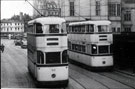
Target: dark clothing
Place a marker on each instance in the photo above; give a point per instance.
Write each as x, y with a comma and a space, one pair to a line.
2, 48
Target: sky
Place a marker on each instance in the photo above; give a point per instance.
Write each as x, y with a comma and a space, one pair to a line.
14, 7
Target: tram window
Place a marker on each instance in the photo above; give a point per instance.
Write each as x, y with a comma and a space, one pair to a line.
69, 29
45, 28
73, 47
40, 57
83, 28
102, 28
63, 28
69, 44
64, 56
39, 28
54, 28
90, 28
30, 27
83, 49
111, 48
94, 49
103, 49
52, 57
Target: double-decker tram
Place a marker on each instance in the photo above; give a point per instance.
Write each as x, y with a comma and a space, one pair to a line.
47, 51
90, 43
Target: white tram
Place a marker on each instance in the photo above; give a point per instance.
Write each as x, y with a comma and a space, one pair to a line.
90, 43
47, 51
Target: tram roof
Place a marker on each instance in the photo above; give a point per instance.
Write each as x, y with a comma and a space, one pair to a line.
103, 22
48, 20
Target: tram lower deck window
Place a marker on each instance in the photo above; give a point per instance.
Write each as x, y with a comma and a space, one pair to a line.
52, 57
64, 56
103, 49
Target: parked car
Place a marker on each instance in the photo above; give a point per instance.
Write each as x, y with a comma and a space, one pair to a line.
18, 39
24, 43
17, 42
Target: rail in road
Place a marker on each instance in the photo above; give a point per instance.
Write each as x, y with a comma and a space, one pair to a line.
14, 73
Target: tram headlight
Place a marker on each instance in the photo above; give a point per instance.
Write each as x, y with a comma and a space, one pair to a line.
94, 49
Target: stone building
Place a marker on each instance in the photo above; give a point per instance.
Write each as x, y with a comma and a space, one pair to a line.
128, 16
78, 10
46, 8
81, 10
10, 28
114, 14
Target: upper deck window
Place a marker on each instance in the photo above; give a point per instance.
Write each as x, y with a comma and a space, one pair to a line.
102, 28
63, 28
54, 28
39, 28
90, 28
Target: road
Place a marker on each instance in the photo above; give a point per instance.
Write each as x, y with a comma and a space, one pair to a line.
14, 73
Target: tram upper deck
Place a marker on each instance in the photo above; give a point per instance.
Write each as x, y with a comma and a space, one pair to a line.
47, 32
90, 31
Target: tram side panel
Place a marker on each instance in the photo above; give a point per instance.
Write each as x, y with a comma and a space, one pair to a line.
93, 61
91, 38
87, 58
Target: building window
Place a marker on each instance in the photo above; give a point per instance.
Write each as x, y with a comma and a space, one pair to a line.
127, 16
114, 9
72, 11
97, 8
7, 29
118, 10
129, 1
127, 28
113, 29
118, 29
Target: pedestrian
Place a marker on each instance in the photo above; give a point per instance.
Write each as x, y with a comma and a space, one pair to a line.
2, 48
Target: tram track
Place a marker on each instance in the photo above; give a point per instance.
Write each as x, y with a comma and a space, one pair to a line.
112, 75
105, 81
78, 82
91, 77
126, 73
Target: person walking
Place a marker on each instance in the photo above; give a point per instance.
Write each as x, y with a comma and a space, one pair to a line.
2, 48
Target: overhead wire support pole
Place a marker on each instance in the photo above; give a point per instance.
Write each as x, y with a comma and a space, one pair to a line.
34, 7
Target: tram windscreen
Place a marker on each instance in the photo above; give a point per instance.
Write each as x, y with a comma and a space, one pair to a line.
52, 57
54, 28
103, 49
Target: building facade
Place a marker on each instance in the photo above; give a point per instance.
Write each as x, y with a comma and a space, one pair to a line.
81, 10
10, 28
128, 16
114, 15
46, 8
78, 10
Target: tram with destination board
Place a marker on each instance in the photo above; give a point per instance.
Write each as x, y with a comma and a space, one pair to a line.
90, 43
47, 51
